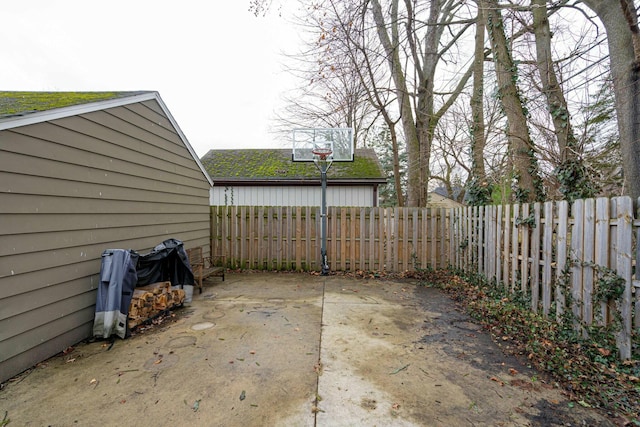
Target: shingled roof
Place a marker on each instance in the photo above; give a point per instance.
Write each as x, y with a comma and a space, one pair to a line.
275, 165
22, 103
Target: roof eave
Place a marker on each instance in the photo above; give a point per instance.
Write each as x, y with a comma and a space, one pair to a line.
73, 110
298, 181
183, 137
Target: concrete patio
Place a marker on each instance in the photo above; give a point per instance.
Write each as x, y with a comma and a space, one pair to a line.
285, 349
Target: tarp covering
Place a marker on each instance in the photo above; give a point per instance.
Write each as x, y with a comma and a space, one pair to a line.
167, 262
124, 270
118, 279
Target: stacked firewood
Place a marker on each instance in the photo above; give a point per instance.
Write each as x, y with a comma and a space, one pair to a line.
151, 300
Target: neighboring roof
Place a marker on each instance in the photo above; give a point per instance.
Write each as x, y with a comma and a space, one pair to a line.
21, 103
251, 166
436, 200
26, 108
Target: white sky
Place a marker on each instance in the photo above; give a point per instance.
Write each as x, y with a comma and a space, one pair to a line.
217, 67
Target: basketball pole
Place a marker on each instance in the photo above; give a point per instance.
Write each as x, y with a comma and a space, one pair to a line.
323, 165
323, 214
317, 145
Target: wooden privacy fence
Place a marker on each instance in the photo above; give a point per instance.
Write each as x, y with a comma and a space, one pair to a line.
369, 239
579, 257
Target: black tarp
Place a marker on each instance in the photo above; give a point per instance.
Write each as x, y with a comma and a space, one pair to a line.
167, 262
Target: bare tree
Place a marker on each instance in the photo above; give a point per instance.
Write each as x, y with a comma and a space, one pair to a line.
413, 50
525, 167
331, 93
571, 172
479, 189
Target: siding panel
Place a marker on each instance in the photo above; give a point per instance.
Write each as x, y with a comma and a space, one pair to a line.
291, 195
47, 204
28, 184
71, 188
26, 223
24, 302
55, 143
38, 316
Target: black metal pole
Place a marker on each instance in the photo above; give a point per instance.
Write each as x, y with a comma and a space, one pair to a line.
323, 215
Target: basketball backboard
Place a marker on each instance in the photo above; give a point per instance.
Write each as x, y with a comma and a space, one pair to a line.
338, 140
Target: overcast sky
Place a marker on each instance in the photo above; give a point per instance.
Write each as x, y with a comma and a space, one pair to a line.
217, 67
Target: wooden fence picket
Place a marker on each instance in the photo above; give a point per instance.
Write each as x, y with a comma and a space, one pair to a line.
577, 269
547, 258
588, 260
506, 251
535, 258
624, 221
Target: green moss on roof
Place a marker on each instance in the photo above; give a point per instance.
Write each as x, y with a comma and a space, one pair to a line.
20, 103
268, 164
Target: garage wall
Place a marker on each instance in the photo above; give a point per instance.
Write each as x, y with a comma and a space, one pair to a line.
293, 195
71, 188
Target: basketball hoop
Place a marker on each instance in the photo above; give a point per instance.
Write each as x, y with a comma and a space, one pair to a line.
321, 153
323, 146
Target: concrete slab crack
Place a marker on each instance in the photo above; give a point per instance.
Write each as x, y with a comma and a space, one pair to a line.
318, 366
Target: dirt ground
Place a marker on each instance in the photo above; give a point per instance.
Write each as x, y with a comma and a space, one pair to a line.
270, 349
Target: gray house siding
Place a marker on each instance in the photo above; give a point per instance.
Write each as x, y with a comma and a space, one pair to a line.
71, 187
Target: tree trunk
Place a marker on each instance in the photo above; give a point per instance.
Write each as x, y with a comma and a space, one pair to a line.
425, 120
390, 46
570, 171
528, 183
479, 192
624, 56
396, 162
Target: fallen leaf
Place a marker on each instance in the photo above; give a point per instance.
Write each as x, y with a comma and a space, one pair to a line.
93, 381
496, 379
583, 403
399, 369
395, 406
513, 371
157, 361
